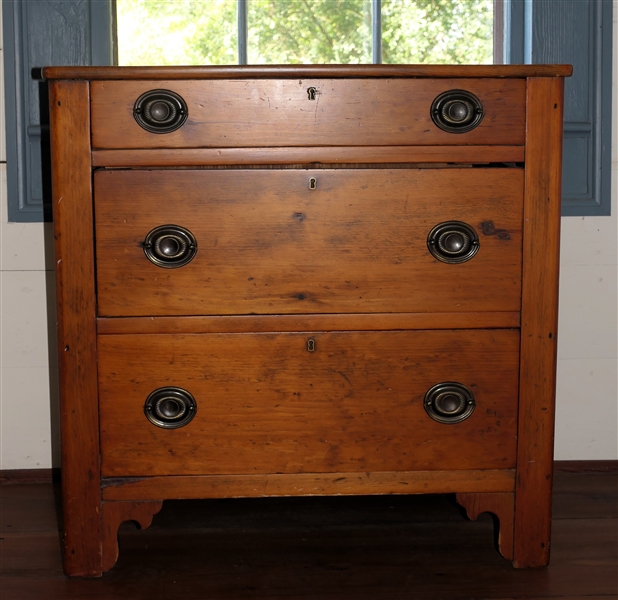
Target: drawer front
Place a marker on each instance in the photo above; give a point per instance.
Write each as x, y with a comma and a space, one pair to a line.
266, 404
345, 112
268, 244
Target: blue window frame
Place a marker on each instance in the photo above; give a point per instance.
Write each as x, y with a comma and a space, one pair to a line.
80, 32
35, 34
577, 32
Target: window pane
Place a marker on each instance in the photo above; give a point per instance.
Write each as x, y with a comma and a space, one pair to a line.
309, 31
437, 31
177, 32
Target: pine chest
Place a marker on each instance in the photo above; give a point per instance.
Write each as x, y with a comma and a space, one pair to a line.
280, 281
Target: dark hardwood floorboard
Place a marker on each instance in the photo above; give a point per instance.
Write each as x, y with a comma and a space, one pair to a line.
396, 547
585, 495
29, 507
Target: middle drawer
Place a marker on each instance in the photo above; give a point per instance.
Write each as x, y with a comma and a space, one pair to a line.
308, 241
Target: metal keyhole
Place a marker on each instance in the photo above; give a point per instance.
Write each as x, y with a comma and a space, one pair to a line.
313, 183
311, 345
311, 92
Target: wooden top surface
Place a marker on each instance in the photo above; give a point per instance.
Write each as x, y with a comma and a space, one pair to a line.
294, 71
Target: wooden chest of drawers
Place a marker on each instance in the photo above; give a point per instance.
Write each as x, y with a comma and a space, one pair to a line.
306, 280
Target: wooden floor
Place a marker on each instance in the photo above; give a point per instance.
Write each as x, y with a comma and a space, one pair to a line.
393, 547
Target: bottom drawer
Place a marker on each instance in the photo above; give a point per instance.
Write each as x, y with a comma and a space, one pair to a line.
307, 402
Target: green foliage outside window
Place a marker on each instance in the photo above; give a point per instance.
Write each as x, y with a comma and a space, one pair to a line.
178, 32
204, 32
437, 31
309, 31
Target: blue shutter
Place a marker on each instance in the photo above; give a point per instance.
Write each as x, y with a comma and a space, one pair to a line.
79, 32
36, 34
578, 32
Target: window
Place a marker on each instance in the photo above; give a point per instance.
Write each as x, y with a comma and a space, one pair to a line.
57, 32
222, 32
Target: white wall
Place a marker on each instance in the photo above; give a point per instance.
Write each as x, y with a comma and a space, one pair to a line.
587, 355
26, 369
587, 395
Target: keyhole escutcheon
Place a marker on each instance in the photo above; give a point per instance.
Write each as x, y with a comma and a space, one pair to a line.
313, 183
312, 93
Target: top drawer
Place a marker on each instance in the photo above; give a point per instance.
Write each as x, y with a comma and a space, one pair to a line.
307, 112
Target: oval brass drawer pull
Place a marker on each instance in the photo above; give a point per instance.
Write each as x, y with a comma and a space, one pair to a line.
160, 111
453, 242
449, 402
457, 111
170, 407
170, 246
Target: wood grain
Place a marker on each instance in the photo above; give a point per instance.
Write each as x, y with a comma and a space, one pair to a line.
584, 495
539, 322
337, 548
278, 112
115, 513
346, 264
17, 476
267, 405
269, 323
192, 157
77, 352
267, 244
587, 466
574, 467
502, 505
308, 484
333, 548
29, 507
296, 71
